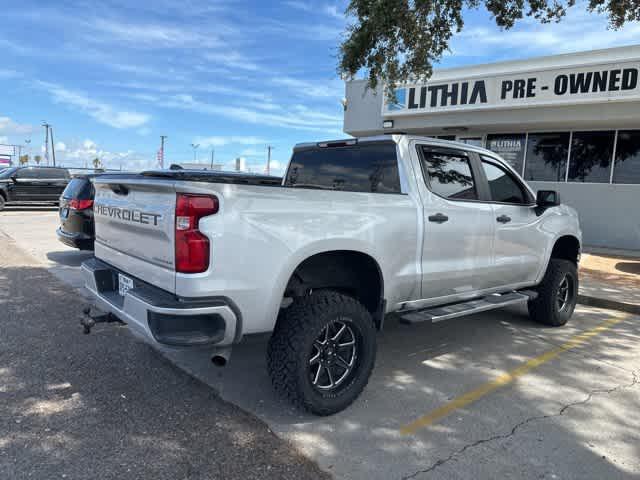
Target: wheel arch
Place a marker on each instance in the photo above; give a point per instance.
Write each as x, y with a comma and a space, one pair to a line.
352, 272
566, 247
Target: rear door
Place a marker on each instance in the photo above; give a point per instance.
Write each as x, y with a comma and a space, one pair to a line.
457, 248
55, 180
134, 227
519, 242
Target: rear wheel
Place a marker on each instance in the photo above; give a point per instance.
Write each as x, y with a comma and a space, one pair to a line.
322, 352
2, 203
557, 294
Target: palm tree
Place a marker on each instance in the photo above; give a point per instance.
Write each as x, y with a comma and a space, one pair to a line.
96, 163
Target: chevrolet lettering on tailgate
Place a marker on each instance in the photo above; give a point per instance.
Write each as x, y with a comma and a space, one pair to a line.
134, 216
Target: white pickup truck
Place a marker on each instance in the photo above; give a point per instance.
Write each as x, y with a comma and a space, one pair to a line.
357, 229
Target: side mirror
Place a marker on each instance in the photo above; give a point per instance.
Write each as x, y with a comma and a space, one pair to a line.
547, 198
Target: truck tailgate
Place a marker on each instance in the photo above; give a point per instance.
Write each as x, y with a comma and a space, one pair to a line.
134, 226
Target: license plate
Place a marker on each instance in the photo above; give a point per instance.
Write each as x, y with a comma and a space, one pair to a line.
64, 213
124, 284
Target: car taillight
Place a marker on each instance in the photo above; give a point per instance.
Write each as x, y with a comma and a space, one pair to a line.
192, 247
75, 204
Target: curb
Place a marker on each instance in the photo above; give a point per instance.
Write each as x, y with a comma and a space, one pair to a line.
609, 304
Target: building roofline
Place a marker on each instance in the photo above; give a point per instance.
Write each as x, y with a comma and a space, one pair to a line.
561, 60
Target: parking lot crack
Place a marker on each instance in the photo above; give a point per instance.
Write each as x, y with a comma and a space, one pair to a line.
589, 396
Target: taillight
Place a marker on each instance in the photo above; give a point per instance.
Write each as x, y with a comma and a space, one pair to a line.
75, 204
192, 247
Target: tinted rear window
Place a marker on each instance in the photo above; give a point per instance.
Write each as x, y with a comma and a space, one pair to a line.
357, 168
80, 188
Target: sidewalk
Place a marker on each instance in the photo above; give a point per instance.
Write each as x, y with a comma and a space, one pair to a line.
610, 281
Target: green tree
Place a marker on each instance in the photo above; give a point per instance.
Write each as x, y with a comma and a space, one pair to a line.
37, 159
96, 163
397, 40
24, 159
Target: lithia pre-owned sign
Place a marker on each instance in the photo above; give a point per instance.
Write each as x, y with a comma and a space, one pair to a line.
595, 83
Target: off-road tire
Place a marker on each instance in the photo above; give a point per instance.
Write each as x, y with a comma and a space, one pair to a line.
545, 308
292, 342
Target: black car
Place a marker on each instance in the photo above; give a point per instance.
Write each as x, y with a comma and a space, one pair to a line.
76, 213
32, 184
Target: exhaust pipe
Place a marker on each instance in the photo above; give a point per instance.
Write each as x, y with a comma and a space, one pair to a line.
221, 356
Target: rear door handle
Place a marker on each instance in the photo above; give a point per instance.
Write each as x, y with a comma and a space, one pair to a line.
438, 218
503, 219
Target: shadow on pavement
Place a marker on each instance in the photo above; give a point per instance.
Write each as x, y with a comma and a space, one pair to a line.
104, 406
30, 208
629, 267
70, 258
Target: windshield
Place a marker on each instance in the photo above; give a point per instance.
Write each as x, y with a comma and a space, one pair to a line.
6, 173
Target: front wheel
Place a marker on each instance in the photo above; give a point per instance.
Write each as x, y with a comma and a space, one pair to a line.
322, 352
557, 294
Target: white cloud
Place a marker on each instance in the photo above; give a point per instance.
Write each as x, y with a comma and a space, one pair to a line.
221, 141
60, 147
298, 117
9, 127
316, 89
101, 112
579, 31
231, 59
4, 139
331, 10
81, 154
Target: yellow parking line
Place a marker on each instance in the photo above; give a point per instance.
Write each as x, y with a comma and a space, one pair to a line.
506, 378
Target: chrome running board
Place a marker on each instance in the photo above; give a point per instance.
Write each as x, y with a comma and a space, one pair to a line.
453, 310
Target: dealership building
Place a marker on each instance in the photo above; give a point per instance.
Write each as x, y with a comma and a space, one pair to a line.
569, 123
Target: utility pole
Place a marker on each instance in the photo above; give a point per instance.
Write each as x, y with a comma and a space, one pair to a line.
162, 138
269, 148
53, 149
28, 148
212, 153
195, 148
46, 141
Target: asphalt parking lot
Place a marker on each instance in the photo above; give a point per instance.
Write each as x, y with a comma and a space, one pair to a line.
487, 396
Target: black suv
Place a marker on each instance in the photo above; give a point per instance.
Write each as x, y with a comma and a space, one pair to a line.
32, 184
76, 213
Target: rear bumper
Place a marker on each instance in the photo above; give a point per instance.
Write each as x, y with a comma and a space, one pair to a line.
75, 240
160, 317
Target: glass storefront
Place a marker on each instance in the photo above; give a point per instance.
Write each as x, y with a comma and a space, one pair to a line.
543, 156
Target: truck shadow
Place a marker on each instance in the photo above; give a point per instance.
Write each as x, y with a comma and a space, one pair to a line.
70, 258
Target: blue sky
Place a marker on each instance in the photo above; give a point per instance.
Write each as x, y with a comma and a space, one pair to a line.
234, 76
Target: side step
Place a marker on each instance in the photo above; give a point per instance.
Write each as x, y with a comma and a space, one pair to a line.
453, 310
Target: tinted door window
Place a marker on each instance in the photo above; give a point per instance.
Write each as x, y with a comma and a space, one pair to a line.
591, 155
357, 168
547, 157
55, 173
502, 186
449, 174
28, 174
627, 167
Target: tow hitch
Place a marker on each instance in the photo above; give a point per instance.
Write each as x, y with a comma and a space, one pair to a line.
91, 316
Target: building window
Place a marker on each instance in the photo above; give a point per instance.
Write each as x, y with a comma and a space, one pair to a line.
547, 157
591, 155
449, 174
627, 167
510, 147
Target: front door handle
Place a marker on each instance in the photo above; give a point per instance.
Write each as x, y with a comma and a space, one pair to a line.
503, 219
438, 218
